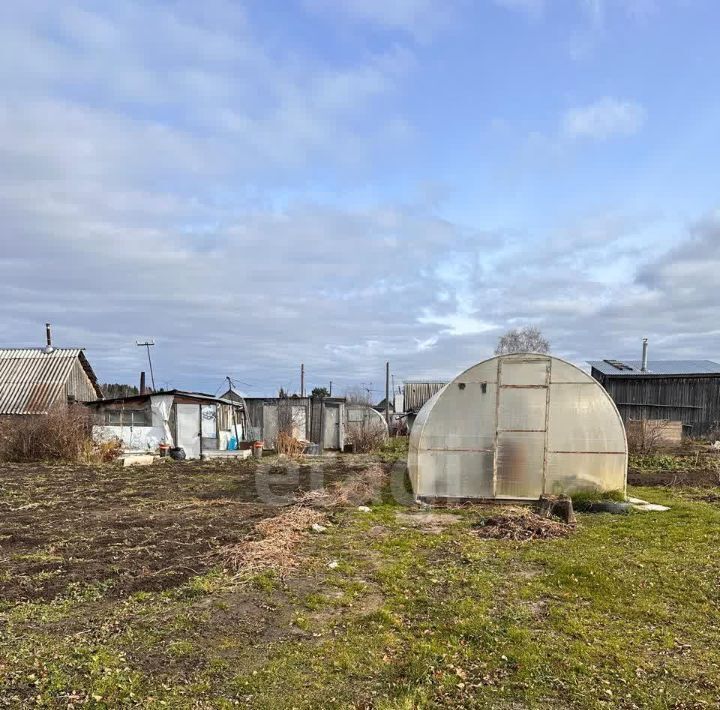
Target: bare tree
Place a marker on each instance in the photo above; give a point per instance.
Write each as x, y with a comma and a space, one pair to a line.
522, 340
647, 436
358, 395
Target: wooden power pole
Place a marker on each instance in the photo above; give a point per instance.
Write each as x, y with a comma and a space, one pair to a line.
387, 393
302, 380
147, 344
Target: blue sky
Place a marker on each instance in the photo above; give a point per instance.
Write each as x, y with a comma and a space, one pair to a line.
258, 184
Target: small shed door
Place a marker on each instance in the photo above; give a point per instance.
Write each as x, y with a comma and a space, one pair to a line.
270, 425
209, 426
521, 427
188, 429
332, 426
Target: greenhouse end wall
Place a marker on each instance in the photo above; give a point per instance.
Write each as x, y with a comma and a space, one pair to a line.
515, 427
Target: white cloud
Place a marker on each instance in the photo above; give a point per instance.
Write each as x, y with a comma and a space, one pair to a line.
604, 118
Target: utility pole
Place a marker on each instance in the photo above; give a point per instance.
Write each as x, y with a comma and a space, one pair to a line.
237, 438
367, 386
302, 380
147, 345
387, 393
330, 394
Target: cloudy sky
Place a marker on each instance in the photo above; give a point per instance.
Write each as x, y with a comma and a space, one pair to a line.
341, 182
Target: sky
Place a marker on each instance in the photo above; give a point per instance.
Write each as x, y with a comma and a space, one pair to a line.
342, 183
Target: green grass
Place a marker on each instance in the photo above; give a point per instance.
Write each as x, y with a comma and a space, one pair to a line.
394, 449
624, 613
583, 498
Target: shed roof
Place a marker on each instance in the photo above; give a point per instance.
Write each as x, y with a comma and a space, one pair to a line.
633, 368
200, 396
32, 379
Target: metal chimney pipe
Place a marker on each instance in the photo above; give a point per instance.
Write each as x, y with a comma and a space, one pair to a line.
48, 335
645, 355
142, 382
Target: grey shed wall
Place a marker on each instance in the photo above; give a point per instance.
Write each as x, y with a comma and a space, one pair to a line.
315, 407
692, 399
79, 386
417, 393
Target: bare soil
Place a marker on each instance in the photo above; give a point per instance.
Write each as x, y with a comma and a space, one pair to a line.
688, 478
137, 529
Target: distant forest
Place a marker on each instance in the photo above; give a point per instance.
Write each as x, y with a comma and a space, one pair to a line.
110, 391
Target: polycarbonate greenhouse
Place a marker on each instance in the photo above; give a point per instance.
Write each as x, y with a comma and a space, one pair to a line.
515, 427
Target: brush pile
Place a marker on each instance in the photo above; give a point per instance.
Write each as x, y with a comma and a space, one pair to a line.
288, 445
277, 544
522, 525
365, 487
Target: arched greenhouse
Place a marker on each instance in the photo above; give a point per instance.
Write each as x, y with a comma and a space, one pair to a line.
515, 427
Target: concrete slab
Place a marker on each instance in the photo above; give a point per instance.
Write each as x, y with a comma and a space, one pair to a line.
227, 455
643, 505
138, 460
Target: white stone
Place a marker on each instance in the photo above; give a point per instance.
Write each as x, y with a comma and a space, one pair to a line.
363, 509
643, 505
142, 460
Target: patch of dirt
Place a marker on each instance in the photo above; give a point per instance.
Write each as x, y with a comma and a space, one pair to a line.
433, 523
378, 532
135, 529
692, 478
522, 525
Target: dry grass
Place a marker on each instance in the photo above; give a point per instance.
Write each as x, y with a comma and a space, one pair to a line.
365, 436
522, 524
361, 489
288, 445
277, 548
647, 436
63, 434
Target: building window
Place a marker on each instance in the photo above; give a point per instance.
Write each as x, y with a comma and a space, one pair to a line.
127, 417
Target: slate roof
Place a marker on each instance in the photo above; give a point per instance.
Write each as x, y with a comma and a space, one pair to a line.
32, 380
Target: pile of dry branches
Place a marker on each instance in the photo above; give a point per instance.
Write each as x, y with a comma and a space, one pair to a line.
289, 446
363, 488
276, 549
521, 524
365, 436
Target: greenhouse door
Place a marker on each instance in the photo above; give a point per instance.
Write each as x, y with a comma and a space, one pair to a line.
521, 427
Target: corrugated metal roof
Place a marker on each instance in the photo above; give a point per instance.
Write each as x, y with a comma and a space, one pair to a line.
32, 380
656, 367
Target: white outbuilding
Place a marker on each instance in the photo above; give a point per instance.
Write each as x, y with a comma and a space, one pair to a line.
515, 427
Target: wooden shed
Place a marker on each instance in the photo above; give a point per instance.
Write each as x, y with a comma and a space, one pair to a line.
672, 390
